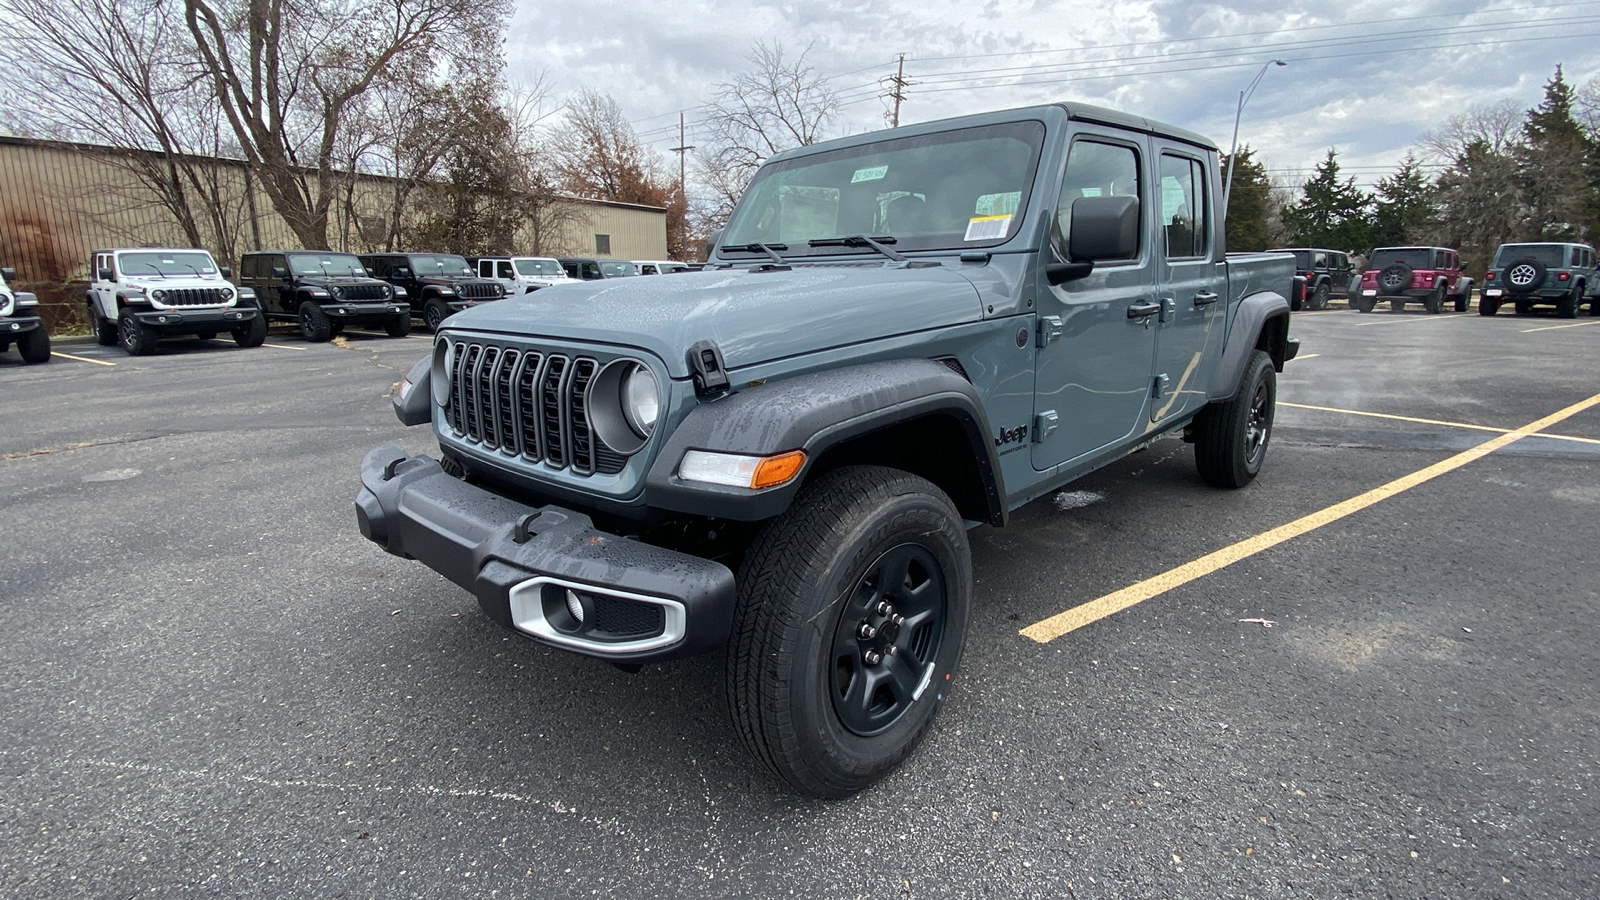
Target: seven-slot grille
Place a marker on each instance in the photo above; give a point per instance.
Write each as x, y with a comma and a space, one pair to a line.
528, 403
192, 296
363, 292
479, 290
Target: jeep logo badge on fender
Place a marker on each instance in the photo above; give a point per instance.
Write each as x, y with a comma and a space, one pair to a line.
1011, 435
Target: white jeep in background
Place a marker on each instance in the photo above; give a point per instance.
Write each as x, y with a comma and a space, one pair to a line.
138, 296
20, 323
522, 274
660, 266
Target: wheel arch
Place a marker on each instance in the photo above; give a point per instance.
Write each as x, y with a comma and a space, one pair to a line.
917, 415
1260, 323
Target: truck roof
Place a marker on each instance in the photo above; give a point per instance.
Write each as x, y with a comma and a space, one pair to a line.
1080, 112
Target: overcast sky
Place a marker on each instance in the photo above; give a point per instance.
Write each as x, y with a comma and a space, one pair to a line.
1368, 77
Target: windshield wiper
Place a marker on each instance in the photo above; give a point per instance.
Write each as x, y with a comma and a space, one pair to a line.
769, 249
861, 240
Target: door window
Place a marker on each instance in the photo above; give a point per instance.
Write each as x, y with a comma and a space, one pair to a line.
1095, 169
503, 267
1183, 220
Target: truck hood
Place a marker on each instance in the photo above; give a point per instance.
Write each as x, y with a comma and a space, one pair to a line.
753, 316
175, 282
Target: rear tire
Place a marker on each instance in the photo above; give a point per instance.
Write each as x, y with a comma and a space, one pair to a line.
1231, 437
1434, 302
34, 346
1397, 304
1524, 306
1487, 306
105, 330
1363, 304
314, 324
813, 689
1567, 307
1319, 297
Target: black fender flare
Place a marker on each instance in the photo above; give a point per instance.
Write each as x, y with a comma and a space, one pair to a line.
815, 413
1253, 316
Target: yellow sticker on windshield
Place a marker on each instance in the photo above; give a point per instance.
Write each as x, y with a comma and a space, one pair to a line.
987, 228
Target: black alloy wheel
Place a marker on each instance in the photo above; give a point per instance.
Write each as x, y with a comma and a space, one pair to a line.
1394, 278
1319, 297
1231, 437
314, 323
434, 312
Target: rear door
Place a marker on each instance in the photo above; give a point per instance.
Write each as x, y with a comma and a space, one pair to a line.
1189, 336
1092, 382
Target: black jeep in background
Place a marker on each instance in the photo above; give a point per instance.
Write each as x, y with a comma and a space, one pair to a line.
1328, 274
437, 284
323, 291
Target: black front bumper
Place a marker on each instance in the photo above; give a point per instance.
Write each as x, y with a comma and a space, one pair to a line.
530, 566
12, 326
365, 314
189, 321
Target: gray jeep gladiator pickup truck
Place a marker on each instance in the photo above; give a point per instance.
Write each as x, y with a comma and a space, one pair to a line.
900, 336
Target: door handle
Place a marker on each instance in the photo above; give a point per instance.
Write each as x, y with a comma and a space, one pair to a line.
1140, 310
1205, 298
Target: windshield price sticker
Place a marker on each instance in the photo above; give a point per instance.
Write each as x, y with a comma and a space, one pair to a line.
875, 173
987, 228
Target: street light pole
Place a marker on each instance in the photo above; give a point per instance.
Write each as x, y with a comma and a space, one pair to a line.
1244, 97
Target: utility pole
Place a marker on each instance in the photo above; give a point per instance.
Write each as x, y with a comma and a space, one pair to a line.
682, 150
897, 90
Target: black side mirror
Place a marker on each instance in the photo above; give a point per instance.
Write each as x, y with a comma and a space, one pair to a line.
104, 274
280, 272
711, 243
9, 274
227, 272
1104, 228
400, 272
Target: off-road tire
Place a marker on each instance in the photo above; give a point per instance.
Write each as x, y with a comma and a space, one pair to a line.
434, 312
1487, 306
1231, 437
800, 689
134, 336
1463, 301
1363, 304
399, 326
1434, 302
34, 345
252, 333
1394, 278
1319, 297
1594, 305
105, 330
1524, 306
314, 324
1397, 304
1567, 307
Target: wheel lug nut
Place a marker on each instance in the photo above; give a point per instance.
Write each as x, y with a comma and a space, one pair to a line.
872, 657
866, 631
898, 620
883, 608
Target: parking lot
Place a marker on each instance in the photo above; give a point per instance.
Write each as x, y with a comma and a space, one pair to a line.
214, 686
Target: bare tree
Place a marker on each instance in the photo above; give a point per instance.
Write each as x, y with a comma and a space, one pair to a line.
289, 74
117, 74
1496, 127
598, 154
778, 104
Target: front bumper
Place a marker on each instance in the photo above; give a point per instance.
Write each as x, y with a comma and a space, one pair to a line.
375, 313
534, 568
11, 326
189, 321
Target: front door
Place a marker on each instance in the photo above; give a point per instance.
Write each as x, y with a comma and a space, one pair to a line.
1189, 339
1098, 336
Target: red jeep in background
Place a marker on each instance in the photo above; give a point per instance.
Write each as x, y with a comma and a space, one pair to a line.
1401, 274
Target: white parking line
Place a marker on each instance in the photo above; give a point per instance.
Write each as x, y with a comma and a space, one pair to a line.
1424, 318
285, 347
98, 362
1554, 327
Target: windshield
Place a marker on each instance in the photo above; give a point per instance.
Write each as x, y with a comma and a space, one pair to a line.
953, 190
1547, 254
538, 267
325, 264
1416, 258
424, 264
616, 269
187, 262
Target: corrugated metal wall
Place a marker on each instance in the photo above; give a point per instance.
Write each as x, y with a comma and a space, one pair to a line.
59, 202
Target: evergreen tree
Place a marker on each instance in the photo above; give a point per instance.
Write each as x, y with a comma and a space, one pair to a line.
1405, 207
1247, 203
1556, 159
1480, 203
1331, 213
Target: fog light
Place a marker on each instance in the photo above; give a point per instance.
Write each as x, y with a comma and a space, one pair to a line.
575, 607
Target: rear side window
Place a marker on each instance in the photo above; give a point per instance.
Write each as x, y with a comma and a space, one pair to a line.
1095, 169
1183, 210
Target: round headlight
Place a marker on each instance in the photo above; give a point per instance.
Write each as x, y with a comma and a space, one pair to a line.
158, 295
641, 400
227, 293
336, 291
444, 369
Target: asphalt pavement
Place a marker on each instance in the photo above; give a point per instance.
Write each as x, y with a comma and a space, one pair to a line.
214, 686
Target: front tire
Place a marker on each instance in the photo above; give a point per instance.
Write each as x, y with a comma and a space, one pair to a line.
314, 324
253, 333
399, 326
434, 312
852, 612
1231, 437
136, 339
34, 346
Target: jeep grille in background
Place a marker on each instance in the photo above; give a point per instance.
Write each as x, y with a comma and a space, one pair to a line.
192, 296
530, 404
479, 290
363, 292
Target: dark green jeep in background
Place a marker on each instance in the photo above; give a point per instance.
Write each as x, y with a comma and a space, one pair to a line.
898, 337
1554, 274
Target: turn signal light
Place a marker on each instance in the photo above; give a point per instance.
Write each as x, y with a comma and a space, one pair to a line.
738, 470
775, 470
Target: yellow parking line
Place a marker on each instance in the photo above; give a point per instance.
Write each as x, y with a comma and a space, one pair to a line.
1062, 623
285, 347
98, 362
1306, 356
1554, 327
1468, 425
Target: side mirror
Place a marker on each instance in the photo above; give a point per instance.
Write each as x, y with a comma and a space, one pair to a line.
401, 272
711, 242
104, 274
227, 272
280, 272
1104, 228
9, 274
